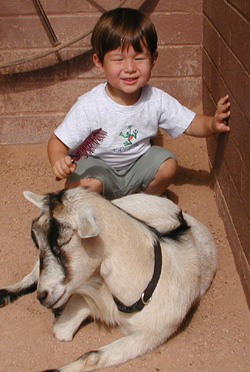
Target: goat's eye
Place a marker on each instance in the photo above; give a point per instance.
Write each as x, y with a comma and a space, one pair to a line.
59, 235
65, 236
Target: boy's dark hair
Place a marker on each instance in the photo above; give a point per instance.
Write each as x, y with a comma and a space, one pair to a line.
123, 27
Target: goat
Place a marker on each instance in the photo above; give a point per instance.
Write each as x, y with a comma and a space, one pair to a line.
137, 262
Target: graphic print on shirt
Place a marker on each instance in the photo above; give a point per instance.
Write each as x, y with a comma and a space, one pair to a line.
129, 135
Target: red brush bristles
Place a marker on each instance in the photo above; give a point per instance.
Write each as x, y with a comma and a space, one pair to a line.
89, 144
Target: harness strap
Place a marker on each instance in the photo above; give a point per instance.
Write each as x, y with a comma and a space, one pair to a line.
147, 294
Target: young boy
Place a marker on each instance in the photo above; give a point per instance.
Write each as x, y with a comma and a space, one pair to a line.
130, 111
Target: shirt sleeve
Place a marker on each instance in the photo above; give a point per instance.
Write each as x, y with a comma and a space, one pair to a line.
175, 118
74, 128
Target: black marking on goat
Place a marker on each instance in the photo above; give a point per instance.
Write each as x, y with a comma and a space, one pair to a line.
51, 233
53, 199
178, 232
9, 297
53, 236
57, 312
41, 262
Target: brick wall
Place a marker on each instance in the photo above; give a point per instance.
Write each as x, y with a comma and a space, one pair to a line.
226, 64
35, 96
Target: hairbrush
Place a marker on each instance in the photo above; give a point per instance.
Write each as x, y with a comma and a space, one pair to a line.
89, 144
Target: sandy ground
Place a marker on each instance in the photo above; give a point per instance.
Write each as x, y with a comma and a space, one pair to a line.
216, 336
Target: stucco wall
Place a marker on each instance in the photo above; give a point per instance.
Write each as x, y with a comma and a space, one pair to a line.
226, 64
35, 96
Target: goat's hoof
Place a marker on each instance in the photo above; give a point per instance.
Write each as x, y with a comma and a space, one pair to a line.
62, 335
4, 297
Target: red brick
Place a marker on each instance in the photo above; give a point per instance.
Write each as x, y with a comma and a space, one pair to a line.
23, 32
240, 38
185, 90
8, 56
247, 9
240, 131
18, 7
217, 85
28, 129
170, 5
245, 194
233, 72
225, 66
207, 8
178, 61
178, 28
211, 40
247, 97
78, 6
206, 70
220, 15
67, 28
42, 98
240, 4
239, 218
224, 179
211, 149
208, 102
234, 162
241, 262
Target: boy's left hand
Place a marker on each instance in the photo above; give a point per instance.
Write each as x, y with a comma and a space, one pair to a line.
219, 122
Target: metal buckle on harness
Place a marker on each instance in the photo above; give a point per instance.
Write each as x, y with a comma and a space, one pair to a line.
145, 302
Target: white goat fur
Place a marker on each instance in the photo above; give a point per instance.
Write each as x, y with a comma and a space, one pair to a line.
111, 254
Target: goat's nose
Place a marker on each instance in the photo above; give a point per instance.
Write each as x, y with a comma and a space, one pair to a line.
41, 296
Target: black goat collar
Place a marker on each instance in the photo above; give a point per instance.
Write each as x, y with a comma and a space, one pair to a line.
147, 294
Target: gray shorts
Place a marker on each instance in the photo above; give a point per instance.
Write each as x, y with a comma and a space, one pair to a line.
116, 183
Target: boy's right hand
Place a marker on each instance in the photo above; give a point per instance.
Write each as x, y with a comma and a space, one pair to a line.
63, 167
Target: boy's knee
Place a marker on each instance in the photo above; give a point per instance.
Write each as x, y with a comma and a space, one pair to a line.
163, 177
168, 168
91, 183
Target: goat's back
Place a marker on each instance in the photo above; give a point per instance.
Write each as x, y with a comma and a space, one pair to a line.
163, 215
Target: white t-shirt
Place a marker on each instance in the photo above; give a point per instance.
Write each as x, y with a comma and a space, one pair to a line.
129, 128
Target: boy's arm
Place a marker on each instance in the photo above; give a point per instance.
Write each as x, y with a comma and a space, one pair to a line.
205, 126
59, 159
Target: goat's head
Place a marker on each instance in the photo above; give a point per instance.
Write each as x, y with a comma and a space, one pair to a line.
64, 235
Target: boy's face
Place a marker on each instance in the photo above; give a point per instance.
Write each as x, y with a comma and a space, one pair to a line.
127, 72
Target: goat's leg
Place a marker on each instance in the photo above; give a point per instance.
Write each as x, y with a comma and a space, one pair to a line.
74, 313
120, 351
27, 285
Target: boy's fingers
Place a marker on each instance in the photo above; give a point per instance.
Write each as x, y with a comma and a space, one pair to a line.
63, 168
223, 101
225, 115
72, 167
68, 160
223, 108
61, 171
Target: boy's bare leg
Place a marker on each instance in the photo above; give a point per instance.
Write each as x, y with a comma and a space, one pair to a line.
163, 177
90, 183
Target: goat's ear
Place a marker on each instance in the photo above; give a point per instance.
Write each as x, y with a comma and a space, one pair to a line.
35, 199
87, 226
